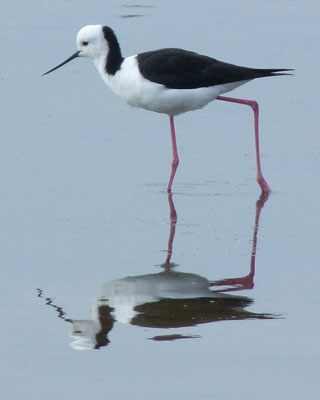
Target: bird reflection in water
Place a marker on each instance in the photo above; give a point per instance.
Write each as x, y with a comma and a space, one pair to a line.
168, 299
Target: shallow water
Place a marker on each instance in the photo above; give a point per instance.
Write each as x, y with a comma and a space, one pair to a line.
110, 288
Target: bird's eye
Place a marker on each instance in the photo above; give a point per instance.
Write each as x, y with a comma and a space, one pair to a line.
84, 43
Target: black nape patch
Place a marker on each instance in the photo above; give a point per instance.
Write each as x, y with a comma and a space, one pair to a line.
114, 57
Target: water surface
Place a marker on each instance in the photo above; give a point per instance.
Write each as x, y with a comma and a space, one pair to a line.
112, 289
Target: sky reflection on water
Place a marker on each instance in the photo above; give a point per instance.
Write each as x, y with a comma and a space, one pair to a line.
74, 218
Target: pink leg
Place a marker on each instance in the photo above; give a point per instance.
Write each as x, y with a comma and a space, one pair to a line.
175, 158
245, 282
254, 105
173, 223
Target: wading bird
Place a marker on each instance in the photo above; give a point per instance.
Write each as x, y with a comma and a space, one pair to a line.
169, 81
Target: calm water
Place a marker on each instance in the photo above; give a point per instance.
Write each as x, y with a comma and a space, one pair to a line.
112, 289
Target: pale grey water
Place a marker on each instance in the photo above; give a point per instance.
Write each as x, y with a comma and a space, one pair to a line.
83, 204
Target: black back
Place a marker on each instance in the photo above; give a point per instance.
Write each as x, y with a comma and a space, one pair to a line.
181, 69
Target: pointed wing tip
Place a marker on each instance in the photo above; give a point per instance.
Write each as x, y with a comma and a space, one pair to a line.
283, 71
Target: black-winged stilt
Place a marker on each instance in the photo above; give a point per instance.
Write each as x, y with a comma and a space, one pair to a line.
170, 81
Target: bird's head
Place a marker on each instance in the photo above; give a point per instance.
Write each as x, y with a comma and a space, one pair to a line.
91, 43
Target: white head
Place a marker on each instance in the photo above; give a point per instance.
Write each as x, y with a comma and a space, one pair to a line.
91, 43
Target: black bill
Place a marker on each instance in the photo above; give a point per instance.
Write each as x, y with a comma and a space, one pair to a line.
75, 55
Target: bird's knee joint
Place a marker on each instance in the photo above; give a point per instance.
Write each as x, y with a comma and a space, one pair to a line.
175, 163
254, 105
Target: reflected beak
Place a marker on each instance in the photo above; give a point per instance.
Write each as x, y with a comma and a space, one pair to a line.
75, 55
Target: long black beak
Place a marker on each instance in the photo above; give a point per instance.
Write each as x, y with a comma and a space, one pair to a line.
75, 55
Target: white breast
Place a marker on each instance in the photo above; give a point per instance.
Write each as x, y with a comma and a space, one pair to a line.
134, 89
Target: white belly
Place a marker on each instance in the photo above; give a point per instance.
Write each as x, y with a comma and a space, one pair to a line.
137, 91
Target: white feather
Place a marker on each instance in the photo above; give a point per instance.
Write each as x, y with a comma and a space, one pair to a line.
134, 89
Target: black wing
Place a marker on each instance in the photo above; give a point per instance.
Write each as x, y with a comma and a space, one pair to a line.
181, 69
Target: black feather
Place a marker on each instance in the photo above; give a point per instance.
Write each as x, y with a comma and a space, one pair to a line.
114, 58
181, 69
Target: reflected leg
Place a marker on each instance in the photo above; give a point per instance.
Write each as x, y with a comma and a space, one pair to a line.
245, 282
